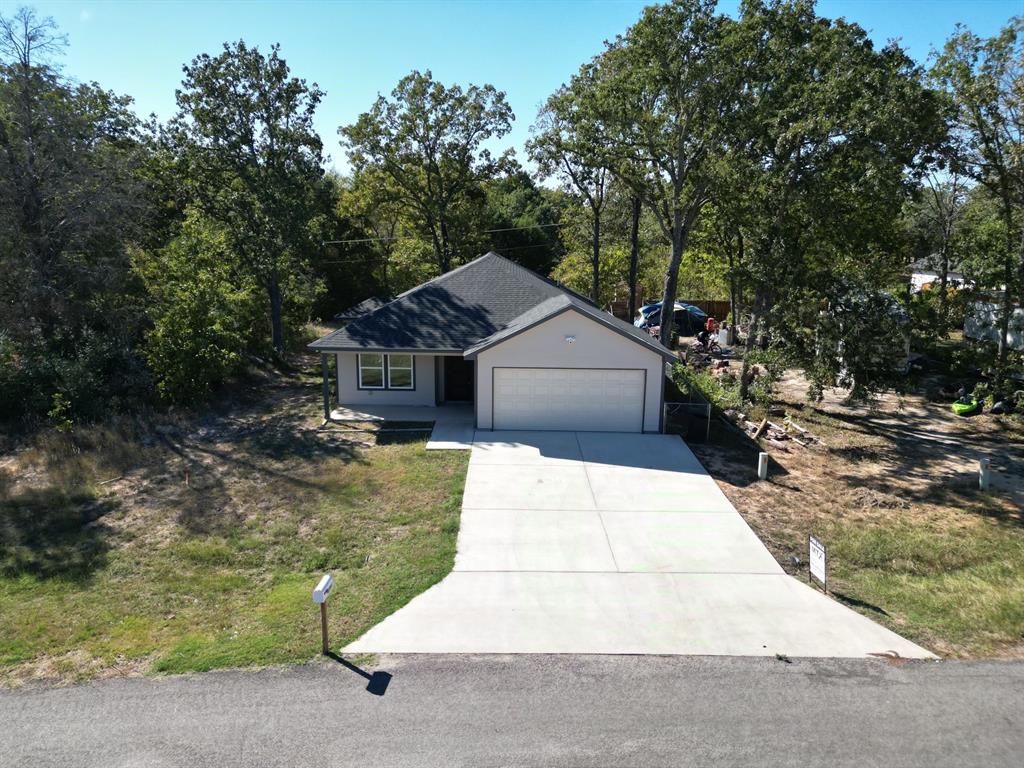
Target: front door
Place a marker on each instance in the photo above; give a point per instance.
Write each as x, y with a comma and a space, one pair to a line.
458, 380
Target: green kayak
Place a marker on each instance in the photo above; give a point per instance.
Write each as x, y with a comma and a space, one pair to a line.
966, 409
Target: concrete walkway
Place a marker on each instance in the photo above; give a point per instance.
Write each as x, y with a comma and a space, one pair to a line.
614, 543
453, 422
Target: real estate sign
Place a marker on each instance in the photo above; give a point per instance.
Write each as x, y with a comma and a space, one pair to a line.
817, 560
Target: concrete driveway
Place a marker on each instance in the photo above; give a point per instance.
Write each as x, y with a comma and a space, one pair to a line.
614, 543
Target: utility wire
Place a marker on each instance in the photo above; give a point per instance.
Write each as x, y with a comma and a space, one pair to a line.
413, 237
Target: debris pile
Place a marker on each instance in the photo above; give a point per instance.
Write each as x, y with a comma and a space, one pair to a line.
786, 432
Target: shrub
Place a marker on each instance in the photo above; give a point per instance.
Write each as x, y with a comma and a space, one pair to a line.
200, 313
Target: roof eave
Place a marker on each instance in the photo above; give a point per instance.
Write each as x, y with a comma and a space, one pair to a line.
397, 350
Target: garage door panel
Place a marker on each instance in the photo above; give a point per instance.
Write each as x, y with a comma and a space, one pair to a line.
582, 399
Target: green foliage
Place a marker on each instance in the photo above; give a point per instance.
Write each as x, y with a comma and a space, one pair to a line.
60, 414
575, 271
721, 392
983, 80
861, 339
201, 320
771, 364
251, 160
428, 141
69, 200
660, 97
931, 317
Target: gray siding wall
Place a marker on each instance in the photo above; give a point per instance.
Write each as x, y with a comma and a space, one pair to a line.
350, 394
544, 346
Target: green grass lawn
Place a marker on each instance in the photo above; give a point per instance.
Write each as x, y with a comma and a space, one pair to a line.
205, 551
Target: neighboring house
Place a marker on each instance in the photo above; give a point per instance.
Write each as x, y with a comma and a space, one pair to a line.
527, 352
926, 272
982, 321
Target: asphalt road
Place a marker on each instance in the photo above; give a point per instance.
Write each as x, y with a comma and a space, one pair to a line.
534, 711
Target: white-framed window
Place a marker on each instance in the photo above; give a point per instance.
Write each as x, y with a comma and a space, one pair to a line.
400, 372
371, 370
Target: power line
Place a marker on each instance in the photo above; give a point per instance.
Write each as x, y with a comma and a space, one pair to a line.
531, 226
413, 237
364, 240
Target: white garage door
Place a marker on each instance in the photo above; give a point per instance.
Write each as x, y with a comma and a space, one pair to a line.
579, 399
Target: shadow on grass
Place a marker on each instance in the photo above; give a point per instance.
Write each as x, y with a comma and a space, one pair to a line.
402, 438
378, 681
732, 457
51, 534
853, 602
925, 464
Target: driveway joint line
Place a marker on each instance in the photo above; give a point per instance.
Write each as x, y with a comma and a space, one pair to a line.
586, 474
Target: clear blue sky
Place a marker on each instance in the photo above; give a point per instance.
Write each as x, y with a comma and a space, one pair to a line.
356, 50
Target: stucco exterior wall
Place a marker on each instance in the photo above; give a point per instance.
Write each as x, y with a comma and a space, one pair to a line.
544, 346
350, 394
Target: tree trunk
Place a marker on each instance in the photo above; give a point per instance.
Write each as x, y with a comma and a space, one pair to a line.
668, 299
595, 260
634, 256
735, 259
276, 323
446, 255
943, 282
748, 347
682, 221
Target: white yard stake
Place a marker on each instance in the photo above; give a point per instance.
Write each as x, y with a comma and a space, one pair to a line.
762, 466
983, 475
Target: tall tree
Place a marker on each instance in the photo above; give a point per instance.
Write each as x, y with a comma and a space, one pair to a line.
567, 145
428, 138
70, 202
984, 79
944, 195
662, 94
252, 161
827, 128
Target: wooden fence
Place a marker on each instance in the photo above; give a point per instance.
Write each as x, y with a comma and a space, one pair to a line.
717, 309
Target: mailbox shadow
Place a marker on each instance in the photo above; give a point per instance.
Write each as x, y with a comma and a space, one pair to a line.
377, 681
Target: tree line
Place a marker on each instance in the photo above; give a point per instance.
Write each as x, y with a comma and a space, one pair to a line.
778, 158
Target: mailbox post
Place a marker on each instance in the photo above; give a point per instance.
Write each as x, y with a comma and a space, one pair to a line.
320, 598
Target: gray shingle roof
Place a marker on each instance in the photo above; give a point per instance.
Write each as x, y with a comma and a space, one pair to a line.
364, 307
469, 308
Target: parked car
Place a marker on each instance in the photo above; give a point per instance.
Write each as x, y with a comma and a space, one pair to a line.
687, 318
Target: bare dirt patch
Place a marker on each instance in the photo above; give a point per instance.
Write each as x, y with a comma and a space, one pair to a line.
892, 489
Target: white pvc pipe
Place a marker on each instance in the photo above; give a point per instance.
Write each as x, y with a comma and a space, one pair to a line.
762, 466
983, 474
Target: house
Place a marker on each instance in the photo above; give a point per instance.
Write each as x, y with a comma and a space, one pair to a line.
925, 273
526, 352
982, 321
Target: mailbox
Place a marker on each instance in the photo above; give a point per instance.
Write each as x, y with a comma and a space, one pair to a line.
323, 589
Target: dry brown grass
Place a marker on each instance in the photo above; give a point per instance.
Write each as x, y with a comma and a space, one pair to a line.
893, 492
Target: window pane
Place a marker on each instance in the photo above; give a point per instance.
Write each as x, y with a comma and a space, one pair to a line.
400, 361
400, 378
371, 360
371, 377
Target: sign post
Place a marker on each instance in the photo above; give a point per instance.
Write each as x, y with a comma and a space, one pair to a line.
817, 562
320, 598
